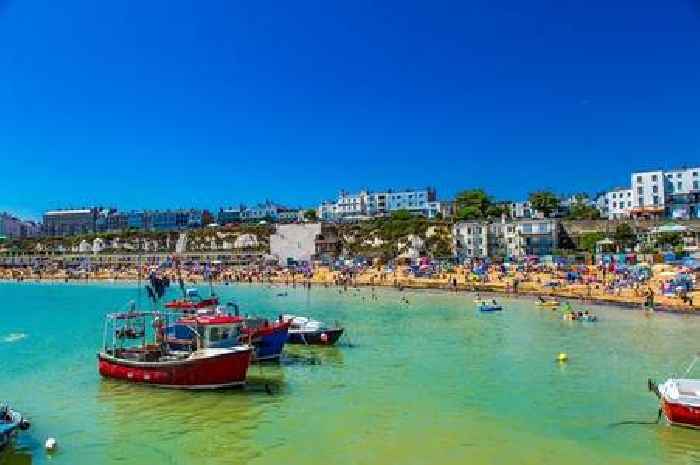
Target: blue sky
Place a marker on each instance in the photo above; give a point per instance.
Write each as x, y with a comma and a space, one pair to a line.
171, 104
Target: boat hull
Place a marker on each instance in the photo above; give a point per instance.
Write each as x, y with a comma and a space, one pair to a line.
326, 337
212, 372
491, 308
9, 426
269, 344
680, 414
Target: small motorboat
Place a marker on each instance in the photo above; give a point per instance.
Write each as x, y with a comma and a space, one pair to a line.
492, 307
547, 303
11, 421
303, 330
680, 399
137, 360
577, 317
192, 301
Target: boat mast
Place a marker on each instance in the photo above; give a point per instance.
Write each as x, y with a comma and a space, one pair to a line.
138, 273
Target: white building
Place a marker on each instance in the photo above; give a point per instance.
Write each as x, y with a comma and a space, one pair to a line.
520, 210
476, 239
648, 193
294, 242
682, 193
98, 245
615, 204
674, 193
366, 204
84, 247
246, 241
470, 239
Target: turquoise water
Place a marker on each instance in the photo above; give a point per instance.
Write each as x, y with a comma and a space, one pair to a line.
431, 381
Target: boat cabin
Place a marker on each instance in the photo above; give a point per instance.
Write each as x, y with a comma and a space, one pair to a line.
211, 332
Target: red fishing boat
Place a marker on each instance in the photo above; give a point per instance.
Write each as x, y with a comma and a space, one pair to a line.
192, 301
155, 363
680, 399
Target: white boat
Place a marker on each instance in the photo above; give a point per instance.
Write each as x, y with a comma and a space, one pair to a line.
680, 399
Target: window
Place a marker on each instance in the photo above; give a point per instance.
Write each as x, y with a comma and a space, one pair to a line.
614, 204
639, 179
695, 174
695, 185
680, 185
641, 201
614, 195
656, 200
629, 204
640, 190
654, 178
678, 175
655, 189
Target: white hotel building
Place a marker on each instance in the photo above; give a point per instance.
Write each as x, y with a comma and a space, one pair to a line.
671, 193
365, 204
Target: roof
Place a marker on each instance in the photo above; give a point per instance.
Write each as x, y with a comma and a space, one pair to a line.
207, 320
68, 212
670, 228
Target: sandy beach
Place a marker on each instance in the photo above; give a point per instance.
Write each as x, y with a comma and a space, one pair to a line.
599, 288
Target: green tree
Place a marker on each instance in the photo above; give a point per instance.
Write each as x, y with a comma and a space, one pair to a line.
624, 235
544, 201
497, 210
580, 211
401, 215
310, 215
588, 241
669, 239
472, 204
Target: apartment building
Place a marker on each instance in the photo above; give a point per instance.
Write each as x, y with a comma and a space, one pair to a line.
505, 239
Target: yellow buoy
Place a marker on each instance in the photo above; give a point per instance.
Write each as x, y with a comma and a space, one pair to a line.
562, 357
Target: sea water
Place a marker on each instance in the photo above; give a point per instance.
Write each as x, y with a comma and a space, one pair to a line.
430, 381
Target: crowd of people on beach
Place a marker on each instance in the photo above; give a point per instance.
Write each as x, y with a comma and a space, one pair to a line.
667, 285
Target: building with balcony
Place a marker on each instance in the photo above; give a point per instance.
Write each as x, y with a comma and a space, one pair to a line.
364, 205
505, 239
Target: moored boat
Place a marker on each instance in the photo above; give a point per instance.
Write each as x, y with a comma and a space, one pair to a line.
192, 301
553, 303
484, 307
203, 366
267, 338
679, 399
303, 330
11, 421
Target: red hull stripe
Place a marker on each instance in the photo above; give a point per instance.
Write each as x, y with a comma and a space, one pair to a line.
681, 414
205, 373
